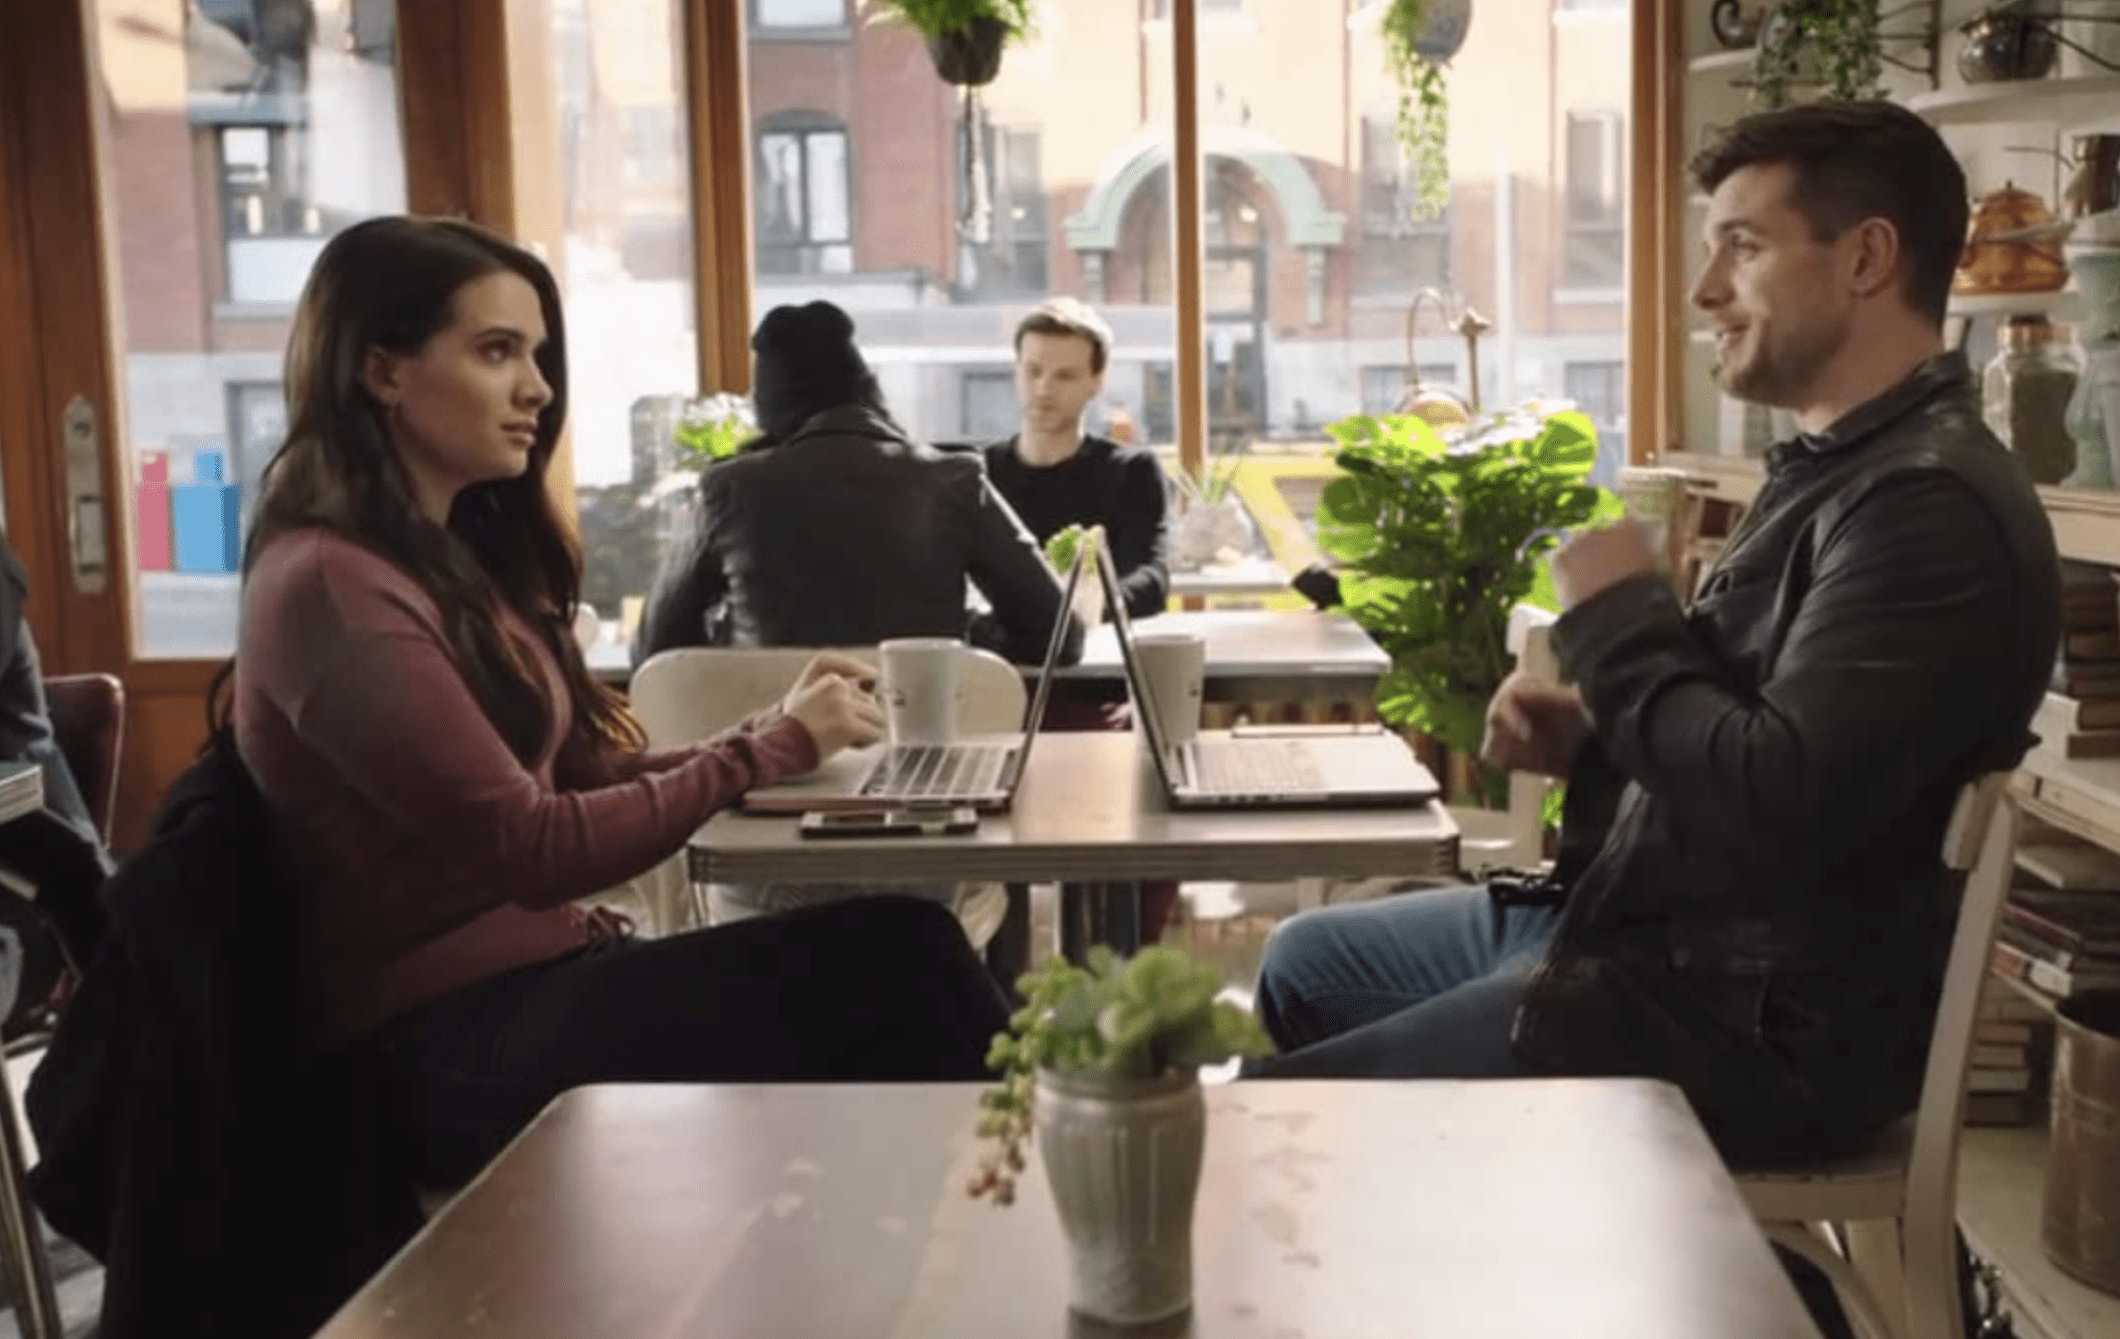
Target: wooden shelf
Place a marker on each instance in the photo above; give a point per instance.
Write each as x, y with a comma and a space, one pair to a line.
2001, 1189
2063, 103
1721, 62
2060, 304
2086, 523
2086, 520
1730, 478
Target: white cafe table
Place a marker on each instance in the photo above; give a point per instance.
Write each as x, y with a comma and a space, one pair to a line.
1090, 811
1252, 654
1254, 575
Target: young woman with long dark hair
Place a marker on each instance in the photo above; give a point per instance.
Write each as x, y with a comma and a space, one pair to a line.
447, 777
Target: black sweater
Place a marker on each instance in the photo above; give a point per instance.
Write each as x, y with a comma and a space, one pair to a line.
1119, 488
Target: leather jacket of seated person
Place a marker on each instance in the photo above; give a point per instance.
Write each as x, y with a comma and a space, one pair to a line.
846, 533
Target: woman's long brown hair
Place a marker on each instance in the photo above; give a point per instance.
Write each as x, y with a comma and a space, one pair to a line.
391, 283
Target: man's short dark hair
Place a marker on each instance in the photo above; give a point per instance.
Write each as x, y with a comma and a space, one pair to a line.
1859, 160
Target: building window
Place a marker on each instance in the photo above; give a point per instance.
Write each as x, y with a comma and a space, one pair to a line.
799, 13
805, 223
1159, 401
1014, 262
986, 401
1593, 249
1383, 386
258, 195
1397, 253
1599, 389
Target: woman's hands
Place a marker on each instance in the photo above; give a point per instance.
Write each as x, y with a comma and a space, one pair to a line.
834, 701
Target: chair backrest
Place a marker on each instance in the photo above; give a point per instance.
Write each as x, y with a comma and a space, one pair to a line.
1521, 839
1981, 839
687, 694
88, 723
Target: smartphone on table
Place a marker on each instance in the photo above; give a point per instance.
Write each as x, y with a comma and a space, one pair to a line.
890, 822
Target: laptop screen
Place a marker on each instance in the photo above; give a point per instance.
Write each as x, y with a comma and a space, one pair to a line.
1034, 709
1123, 633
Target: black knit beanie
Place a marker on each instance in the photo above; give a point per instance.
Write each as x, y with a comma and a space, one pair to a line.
806, 363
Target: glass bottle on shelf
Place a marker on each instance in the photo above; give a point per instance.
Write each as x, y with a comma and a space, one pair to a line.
2024, 395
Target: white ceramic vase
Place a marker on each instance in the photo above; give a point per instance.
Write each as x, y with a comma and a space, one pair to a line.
1207, 532
1122, 1158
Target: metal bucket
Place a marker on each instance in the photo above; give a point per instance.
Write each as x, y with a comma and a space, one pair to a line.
2082, 1219
1122, 1158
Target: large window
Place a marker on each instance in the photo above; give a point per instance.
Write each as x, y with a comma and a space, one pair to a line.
1013, 262
864, 194
1594, 250
771, 14
625, 263
1599, 389
802, 194
243, 137
1400, 253
1383, 387
863, 190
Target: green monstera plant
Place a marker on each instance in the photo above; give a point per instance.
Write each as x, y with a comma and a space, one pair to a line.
1439, 538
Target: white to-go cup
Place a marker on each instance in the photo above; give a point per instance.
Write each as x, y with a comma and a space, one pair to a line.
1173, 673
1652, 496
919, 687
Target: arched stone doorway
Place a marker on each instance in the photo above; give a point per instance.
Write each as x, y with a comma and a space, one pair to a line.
1258, 202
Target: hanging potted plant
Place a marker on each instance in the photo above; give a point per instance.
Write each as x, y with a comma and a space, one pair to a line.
965, 38
1420, 37
1103, 1064
1841, 39
1438, 539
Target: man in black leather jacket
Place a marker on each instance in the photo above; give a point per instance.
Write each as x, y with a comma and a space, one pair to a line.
835, 529
1755, 905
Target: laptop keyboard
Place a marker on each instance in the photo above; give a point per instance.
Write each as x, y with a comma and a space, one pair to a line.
1254, 767
937, 771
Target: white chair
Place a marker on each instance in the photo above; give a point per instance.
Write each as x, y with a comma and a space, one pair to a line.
1514, 838
689, 694
1896, 1268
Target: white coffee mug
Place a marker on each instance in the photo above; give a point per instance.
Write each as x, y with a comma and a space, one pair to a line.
1173, 672
920, 689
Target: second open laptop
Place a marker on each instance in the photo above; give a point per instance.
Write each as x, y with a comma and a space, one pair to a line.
981, 771
1220, 770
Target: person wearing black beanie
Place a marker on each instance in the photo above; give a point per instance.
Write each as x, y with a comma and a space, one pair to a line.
834, 528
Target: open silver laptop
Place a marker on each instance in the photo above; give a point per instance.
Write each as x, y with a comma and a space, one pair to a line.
981, 771
1220, 770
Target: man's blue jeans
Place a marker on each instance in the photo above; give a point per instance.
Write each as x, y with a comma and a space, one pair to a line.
1417, 985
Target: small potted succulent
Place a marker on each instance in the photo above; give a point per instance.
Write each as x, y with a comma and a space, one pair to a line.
1103, 1063
1212, 524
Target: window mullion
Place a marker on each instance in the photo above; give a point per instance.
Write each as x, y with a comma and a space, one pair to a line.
718, 107
1187, 250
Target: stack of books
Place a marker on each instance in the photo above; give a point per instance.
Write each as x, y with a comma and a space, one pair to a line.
2060, 931
2006, 1058
2080, 717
